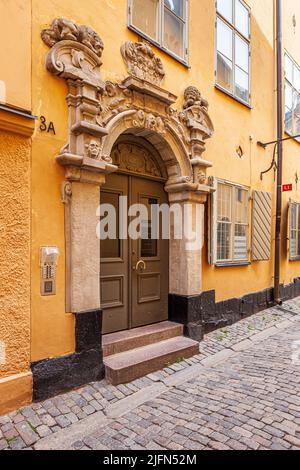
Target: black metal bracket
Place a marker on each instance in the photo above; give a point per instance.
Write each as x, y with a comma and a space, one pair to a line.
265, 145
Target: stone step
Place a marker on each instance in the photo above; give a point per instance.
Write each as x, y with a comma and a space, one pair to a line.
122, 341
127, 366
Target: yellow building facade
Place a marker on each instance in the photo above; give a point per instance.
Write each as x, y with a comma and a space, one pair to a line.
190, 86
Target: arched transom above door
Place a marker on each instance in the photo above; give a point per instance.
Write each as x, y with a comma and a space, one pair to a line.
100, 111
138, 159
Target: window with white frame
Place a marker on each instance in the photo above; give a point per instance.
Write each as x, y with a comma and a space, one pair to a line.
294, 227
232, 223
162, 21
292, 97
233, 48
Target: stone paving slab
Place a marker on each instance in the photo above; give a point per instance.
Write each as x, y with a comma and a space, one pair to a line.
25, 428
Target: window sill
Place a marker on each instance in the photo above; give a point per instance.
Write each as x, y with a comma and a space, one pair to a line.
230, 265
296, 258
235, 98
156, 44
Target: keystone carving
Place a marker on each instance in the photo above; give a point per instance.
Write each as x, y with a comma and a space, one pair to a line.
149, 121
142, 63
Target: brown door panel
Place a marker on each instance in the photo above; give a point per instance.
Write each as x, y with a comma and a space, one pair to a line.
114, 264
133, 297
149, 285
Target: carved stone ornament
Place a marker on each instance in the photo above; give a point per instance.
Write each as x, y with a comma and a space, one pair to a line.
63, 29
76, 51
135, 159
142, 63
149, 121
100, 112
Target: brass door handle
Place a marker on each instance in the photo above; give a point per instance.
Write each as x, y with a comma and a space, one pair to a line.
140, 264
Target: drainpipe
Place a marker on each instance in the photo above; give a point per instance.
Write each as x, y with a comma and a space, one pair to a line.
277, 298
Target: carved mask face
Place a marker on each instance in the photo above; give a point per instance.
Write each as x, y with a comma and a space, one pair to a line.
93, 149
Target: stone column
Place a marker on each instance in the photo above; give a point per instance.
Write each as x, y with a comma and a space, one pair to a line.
83, 248
186, 264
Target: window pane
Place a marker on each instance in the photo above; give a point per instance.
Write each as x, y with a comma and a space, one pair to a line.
296, 129
224, 242
242, 18
241, 206
173, 34
288, 69
145, 16
240, 250
224, 73
241, 54
224, 202
224, 39
288, 120
225, 9
149, 246
296, 78
241, 84
288, 96
177, 6
296, 102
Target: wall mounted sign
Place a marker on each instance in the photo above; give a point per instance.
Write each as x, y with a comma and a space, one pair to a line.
287, 187
45, 127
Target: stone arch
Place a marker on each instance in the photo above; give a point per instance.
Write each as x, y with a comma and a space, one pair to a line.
167, 144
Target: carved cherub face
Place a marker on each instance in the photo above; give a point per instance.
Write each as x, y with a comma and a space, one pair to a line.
93, 149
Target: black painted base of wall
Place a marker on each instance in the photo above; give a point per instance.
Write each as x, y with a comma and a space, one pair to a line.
200, 314
53, 376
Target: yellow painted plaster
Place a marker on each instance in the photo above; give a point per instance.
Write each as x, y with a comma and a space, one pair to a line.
235, 124
15, 53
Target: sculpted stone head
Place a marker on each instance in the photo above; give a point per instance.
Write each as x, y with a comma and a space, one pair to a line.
93, 149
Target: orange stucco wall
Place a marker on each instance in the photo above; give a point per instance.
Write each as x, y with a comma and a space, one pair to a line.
235, 124
15, 196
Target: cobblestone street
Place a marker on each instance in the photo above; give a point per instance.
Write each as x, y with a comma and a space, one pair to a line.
241, 392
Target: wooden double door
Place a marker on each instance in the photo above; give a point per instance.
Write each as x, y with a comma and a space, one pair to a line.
134, 272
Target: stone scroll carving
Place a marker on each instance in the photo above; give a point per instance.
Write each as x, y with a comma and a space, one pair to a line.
100, 111
142, 63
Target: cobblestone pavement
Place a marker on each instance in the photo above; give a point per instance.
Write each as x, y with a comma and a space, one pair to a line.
241, 392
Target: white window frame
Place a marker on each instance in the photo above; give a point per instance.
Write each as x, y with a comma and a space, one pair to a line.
160, 42
286, 81
248, 40
294, 204
213, 256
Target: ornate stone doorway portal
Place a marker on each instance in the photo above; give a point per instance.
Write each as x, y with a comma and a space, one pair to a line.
134, 273
100, 114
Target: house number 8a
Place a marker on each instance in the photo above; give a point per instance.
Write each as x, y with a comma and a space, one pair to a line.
45, 127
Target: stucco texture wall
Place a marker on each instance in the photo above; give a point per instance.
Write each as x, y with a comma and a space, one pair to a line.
15, 254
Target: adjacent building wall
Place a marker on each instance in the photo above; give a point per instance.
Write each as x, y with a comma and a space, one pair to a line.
15, 187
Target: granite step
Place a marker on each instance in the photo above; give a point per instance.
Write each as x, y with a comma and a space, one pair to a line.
130, 365
123, 341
